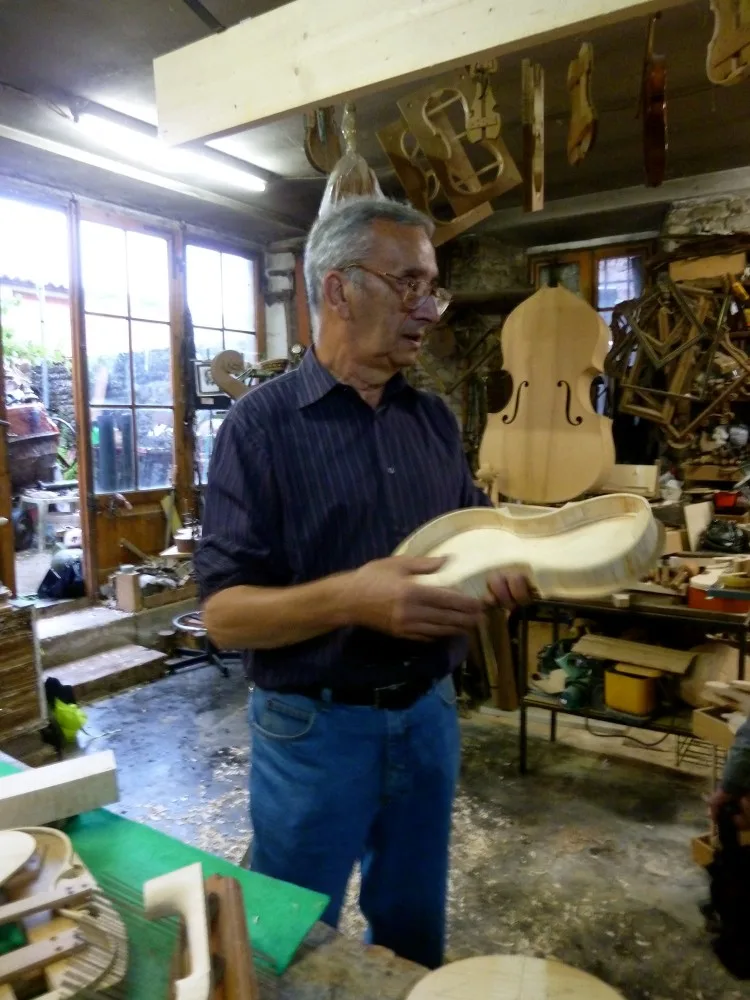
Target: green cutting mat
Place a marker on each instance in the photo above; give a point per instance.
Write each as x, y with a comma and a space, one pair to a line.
122, 855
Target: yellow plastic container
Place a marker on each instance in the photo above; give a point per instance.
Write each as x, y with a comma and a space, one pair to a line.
631, 689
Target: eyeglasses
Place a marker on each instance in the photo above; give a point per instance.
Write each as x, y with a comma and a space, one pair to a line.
413, 291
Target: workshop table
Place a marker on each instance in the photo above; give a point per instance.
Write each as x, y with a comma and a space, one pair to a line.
676, 724
327, 965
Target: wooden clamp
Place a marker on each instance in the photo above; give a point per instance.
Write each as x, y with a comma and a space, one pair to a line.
214, 959
67, 894
20, 963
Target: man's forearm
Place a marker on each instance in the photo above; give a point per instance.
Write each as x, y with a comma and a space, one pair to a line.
270, 617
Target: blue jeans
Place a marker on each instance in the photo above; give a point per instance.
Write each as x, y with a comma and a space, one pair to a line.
334, 784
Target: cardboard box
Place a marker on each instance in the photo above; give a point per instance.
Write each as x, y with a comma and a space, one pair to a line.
709, 725
128, 592
675, 540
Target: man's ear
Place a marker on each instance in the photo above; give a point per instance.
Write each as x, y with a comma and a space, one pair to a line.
335, 294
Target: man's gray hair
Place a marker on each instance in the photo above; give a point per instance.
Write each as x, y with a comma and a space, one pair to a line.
344, 235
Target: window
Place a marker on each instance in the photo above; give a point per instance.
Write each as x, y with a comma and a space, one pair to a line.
221, 299
617, 280
125, 276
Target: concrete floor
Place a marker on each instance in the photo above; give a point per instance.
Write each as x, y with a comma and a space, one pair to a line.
586, 859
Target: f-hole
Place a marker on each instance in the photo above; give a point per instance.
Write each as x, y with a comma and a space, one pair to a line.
506, 418
578, 420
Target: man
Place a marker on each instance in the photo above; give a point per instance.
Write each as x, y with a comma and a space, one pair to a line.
735, 782
315, 479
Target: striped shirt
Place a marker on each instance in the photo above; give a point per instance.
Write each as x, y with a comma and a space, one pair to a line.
307, 480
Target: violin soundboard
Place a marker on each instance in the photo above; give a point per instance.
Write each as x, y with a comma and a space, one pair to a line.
549, 444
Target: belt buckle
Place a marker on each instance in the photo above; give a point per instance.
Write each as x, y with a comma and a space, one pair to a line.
385, 689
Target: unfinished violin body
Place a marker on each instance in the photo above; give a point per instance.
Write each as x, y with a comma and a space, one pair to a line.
549, 444
584, 550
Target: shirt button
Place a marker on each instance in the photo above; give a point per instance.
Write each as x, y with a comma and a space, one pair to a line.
391, 471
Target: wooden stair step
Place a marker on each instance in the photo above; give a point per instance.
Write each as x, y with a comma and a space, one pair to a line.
116, 669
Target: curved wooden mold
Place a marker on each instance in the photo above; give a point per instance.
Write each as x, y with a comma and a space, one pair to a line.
55, 870
16, 849
511, 977
584, 550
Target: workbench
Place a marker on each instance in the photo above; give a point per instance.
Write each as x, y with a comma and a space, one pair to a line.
676, 724
327, 966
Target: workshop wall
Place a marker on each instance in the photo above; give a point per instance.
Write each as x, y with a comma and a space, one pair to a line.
716, 216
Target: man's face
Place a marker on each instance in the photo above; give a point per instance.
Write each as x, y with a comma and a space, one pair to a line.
383, 332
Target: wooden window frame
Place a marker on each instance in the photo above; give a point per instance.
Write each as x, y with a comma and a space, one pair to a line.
588, 261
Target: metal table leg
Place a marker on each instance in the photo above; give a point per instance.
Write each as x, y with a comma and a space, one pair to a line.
523, 740
742, 645
552, 726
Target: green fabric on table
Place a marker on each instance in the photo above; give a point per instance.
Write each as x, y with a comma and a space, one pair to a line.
122, 855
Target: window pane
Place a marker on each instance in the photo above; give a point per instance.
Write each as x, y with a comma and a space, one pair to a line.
568, 275
208, 343
148, 276
239, 292
245, 343
104, 269
618, 279
203, 276
207, 424
108, 360
152, 372
112, 450
155, 437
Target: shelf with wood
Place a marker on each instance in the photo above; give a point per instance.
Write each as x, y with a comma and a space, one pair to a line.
677, 722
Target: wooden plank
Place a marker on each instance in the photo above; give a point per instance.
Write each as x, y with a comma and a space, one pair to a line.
707, 267
670, 661
68, 893
33, 957
697, 519
306, 53
640, 479
57, 791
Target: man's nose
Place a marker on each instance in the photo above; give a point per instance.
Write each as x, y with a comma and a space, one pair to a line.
427, 310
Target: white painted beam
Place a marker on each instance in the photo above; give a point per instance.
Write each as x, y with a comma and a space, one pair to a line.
313, 52
41, 795
715, 184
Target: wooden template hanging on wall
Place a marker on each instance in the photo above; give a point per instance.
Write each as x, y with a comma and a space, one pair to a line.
583, 119
447, 147
532, 121
549, 444
728, 57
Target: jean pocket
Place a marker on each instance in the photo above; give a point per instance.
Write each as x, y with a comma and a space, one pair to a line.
446, 689
281, 718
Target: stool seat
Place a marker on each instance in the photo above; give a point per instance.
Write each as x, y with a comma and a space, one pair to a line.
191, 622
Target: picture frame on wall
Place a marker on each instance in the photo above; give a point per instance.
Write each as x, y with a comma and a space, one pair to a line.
208, 393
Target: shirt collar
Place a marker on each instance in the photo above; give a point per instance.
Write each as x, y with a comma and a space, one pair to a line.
314, 381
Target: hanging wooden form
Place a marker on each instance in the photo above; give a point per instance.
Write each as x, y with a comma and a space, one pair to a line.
581, 551
532, 120
436, 161
549, 444
583, 119
654, 110
322, 140
728, 56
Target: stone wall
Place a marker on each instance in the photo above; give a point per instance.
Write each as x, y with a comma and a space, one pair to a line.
483, 264
716, 216
60, 379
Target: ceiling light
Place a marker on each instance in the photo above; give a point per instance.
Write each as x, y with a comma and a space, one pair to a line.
136, 143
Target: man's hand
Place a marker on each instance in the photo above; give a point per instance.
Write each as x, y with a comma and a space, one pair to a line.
721, 798
508, 591
384, 596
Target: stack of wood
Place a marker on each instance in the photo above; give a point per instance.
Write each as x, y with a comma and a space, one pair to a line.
21, 708
678, 353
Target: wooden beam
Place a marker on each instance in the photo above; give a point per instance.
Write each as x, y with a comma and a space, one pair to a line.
307, 53
44, 794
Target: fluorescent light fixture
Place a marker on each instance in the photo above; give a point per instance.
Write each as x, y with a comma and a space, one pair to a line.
139, 145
